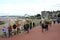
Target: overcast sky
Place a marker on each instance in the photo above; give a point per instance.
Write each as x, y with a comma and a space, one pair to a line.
31, 7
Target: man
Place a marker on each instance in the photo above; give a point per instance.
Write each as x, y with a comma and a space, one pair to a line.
42, 24
26, 28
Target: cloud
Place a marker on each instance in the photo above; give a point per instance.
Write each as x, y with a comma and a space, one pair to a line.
28, 7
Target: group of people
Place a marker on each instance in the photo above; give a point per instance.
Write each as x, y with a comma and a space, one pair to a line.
45, 23
11, 29
28, 25
16, 28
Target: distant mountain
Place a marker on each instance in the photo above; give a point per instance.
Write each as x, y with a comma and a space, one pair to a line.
11, 16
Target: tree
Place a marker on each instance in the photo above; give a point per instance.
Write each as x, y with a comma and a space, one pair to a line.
38, 16
2, 22
59, 15
32, 17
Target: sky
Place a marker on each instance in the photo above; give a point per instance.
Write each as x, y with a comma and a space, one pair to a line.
30, 7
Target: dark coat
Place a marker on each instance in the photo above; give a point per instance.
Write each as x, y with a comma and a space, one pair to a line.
14, 26
26, 27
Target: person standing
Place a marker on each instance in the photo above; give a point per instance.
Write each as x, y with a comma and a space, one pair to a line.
46, 25
4, 32
54, 21
26, 27
10, 31
14, 29
33, 24
42, 24
50, 22
18, 28
30, 25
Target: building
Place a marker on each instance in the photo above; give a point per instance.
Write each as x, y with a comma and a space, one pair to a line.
50, 14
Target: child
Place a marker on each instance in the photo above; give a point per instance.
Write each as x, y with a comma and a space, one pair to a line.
3, 31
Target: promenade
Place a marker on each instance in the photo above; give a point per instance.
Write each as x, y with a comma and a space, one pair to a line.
35, 34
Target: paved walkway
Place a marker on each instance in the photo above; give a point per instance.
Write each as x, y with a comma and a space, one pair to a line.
35, 34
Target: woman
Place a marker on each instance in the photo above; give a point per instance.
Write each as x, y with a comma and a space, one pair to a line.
10, 30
